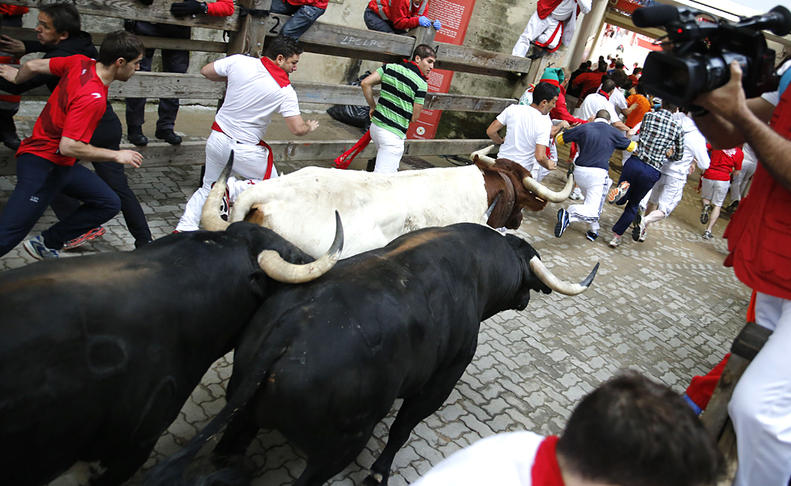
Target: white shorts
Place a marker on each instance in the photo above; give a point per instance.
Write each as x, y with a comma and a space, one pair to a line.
714, 191
667, 193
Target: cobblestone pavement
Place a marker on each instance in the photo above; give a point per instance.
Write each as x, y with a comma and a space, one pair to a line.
666, 307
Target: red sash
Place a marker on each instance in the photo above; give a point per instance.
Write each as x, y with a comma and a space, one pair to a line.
270, 159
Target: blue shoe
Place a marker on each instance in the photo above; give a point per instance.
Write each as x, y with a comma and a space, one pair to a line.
38, 250
563, 222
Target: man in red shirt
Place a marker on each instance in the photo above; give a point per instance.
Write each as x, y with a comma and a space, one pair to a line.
715, 184
397, 16
587, 83
61, 135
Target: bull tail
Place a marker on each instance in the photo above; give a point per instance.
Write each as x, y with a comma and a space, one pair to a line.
170, 471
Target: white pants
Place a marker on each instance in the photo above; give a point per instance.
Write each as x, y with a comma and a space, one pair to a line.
760, 407
389, 149
249, 160
538, 30
742, 178
594, 184
667, 193
190, 220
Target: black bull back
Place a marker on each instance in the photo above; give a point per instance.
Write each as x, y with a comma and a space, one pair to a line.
323, 362
99, 353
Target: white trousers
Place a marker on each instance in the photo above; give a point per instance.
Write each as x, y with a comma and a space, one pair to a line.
190, 220
594, 184
667, 193
760, 407
539, 30
389, 149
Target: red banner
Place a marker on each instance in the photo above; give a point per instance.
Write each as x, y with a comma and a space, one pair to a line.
455, 17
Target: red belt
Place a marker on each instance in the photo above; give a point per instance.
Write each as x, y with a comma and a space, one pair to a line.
270, 160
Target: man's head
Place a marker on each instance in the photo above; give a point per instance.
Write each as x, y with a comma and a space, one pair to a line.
602, 66
121, 51
545, 96
57, 22
603, 114
608, 85
631, 431
424, 56
285, 52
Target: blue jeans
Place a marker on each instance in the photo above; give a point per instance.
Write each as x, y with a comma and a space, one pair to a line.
641, 178
374, 22
38, 182
302, 17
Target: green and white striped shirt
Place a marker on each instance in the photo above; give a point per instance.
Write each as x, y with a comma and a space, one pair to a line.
403, 85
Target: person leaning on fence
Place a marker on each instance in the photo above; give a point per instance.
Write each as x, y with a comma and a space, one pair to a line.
173, 61
257, 88
59, 34
400, 102
303, 14
398, 16
629, 431
61, 135
10, 15
759, 249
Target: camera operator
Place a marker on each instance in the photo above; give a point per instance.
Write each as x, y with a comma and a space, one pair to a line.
759, 246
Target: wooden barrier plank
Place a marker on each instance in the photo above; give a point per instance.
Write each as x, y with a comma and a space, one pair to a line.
192, 152
479, 61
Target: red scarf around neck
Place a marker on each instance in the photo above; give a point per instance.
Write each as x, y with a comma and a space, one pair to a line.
607, 96
546, 471
277, 72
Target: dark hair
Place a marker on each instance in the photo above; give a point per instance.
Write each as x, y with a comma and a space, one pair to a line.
120, 44
669, 106
640, 88
283, 46
608, 85
65, 17
631, 431
637, 70
603, 114
627, 84
423, 51
544, 91
618, 64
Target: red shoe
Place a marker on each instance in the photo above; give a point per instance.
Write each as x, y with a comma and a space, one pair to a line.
84, 238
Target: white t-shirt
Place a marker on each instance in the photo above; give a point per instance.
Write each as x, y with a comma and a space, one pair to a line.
251, 97
617, 99
595, 102
502, 460
694, 149
527, 127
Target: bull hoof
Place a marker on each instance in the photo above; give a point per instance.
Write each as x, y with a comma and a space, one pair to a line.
374, 479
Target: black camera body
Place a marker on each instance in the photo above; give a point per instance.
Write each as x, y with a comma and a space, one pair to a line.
698, 53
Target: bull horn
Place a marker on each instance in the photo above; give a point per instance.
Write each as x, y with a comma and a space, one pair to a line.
547, 194
482, 155
489, 211
275, 267
210, 214
554, 283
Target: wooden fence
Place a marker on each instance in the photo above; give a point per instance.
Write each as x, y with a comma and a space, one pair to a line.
248, 31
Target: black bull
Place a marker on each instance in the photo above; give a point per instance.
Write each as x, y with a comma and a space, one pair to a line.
323, 362
98, 354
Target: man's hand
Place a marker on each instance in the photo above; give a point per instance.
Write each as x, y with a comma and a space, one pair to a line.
424, 21
729, 100
437, 25
12, 46
371, 112
129, 157
312, 125
8, 73
188, 7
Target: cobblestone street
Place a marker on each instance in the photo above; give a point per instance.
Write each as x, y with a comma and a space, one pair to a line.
666, 307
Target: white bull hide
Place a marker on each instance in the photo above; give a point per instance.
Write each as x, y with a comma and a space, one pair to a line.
375, 208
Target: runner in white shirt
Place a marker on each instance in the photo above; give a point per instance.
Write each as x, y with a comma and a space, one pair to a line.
529, 131
190, 220
257, 88
601, 101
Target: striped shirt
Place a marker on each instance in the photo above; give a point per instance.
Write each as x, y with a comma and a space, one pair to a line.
659, 132
403, 85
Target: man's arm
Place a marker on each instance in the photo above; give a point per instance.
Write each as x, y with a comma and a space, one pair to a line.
416, 109
209, 73
621, 126
543, 159
300, 127
84, 151
367, 85
26, 71
745, 121
493, 132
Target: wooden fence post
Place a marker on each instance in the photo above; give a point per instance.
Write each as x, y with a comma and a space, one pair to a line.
249, 39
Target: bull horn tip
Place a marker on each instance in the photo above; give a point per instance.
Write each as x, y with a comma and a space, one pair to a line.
589, 279
337, 244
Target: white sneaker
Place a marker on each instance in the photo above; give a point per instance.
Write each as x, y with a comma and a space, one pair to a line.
576, 194
615, 241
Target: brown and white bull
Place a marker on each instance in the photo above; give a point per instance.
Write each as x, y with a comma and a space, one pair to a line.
377, 208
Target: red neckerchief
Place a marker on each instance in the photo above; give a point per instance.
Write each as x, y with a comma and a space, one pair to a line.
277, 72
545, 7
604, 94
546, 471
407, 61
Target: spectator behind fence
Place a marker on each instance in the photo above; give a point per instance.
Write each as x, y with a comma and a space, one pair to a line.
11, 16
58, 35
257, 88
397, 16
46, 160
173, 61
303, 14
553, 23
630, 431
759, 251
